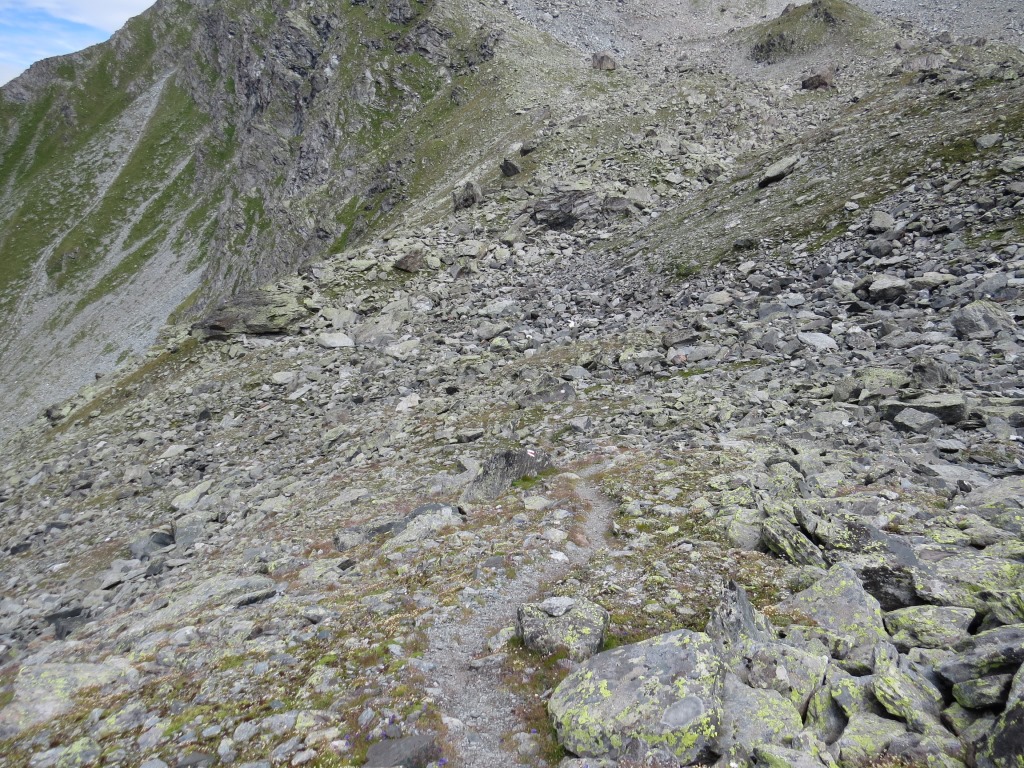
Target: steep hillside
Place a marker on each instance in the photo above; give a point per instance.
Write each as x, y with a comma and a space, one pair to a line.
687, 432
209, 148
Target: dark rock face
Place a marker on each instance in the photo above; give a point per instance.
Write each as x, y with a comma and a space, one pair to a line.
501, 470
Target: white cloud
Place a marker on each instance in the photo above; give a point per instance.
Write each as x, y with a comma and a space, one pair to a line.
108, 15
37, 29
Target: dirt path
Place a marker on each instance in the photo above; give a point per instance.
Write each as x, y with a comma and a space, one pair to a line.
480, 711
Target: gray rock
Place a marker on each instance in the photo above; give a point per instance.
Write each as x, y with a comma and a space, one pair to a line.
819, 342
498, 473
919, 422
994, 652
880, 223
604, 61
840, 604
46, 691
983, 692
887, 288
865, 738
981, 317
1003, 745
576, 628
928, 626
950, 408
410, 752
661, 694
753, 717
786, 540
337, 340
779, 170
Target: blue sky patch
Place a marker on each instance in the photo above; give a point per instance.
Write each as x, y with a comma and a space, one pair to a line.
31, 30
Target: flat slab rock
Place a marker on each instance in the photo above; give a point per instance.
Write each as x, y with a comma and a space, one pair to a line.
46, 691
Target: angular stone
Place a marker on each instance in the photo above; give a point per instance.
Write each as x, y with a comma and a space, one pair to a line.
424, 522
779, 170
887, 288
46, 691
867, 737
577, 630
994, 652
336, 340
661, 694
501, 470
907, 696
880, 223
950, 408
1003, 744
983, 692
190, 498
785, 539
981, 317
753, 717
1001, 504
918, 422
928, 626
819, 342
409, 752
840, 604
603, 61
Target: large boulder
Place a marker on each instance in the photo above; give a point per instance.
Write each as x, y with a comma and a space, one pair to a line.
996, 651
501, 470
840, 604
981, 317
755, 717
928, 626
267, 311
662, 695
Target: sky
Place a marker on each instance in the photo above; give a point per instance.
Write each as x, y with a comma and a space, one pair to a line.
35, 29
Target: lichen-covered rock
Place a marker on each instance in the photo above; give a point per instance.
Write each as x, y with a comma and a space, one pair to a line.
907, 695
928, 626
989, 653
46, 691
866, 737
840, 604
981, 317
663, 694
1001, 504
574, 626
753, 717
785, 539
792, 672
772, 756
501, 470
1003, 746
983, 692
963, 578
736, 628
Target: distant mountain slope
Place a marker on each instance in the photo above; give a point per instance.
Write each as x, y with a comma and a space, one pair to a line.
209, 148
